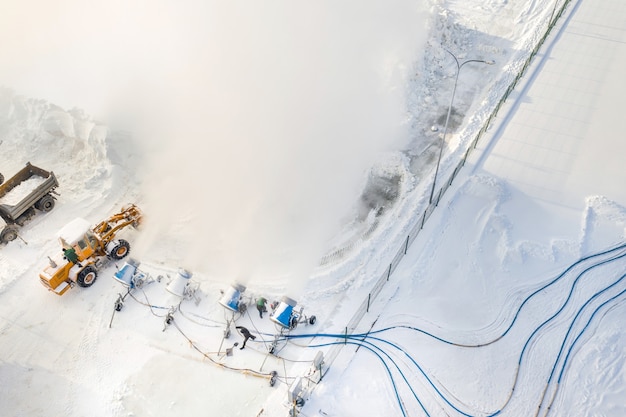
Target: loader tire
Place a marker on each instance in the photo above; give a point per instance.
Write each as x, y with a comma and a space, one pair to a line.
8, 234
120, 250
87, 276
45, 203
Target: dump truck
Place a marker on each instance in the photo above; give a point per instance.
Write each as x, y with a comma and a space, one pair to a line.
31, 188
85, 250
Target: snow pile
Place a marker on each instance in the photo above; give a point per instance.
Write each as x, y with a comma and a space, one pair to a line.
22, 190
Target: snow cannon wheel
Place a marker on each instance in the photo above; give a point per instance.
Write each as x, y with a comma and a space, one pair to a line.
299, 402
8, 234
119, 250
87, 276
312, 320
1, 178
45, 203
293, 322
273, 377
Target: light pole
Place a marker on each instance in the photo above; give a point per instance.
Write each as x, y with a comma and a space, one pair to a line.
445, 128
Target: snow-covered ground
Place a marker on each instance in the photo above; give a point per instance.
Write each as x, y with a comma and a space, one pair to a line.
521, 232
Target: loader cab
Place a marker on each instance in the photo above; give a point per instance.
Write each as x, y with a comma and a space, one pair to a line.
77, 234
84, 247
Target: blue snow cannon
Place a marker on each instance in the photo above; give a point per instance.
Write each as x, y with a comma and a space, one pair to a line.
287, 316
231, 299
284, 314
127, 272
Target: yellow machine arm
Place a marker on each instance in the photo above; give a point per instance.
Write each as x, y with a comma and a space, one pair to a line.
129, 215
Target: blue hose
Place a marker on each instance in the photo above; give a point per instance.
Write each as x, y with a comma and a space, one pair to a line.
564, 304
521, 305
369, 334
569, 351
384, 363
574, 321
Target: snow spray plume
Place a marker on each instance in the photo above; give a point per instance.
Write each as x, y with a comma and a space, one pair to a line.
258, 121
266, 131
83, 54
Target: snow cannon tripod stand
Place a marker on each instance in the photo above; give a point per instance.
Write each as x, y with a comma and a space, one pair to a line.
131, 277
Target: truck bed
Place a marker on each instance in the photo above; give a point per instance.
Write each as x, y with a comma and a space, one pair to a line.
26, 177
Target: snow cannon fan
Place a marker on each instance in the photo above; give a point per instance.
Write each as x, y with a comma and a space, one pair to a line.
231, 300
284, 313
126, 273
180, 284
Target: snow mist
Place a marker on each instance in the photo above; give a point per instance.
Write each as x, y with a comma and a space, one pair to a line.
257, 121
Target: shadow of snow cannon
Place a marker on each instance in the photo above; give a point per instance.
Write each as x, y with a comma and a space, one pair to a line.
287, 318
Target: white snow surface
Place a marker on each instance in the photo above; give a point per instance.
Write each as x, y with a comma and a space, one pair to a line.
506, 273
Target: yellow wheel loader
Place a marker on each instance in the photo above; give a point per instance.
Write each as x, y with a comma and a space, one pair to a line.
86, 249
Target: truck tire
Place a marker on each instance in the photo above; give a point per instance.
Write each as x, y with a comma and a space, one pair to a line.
45, 203
87, 276
119, 250
8, 234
